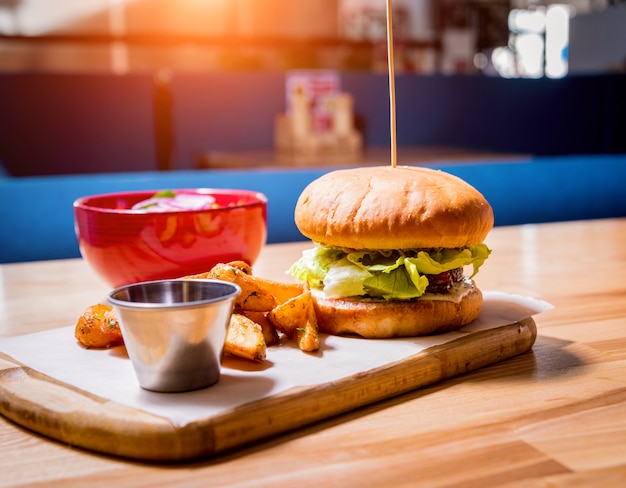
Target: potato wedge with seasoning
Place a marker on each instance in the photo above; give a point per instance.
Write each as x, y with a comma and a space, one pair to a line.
296, 319
288, 316
281, 291
241, 265
253, 296
98, 328
244, 338
308, 337
264, 310
269, 331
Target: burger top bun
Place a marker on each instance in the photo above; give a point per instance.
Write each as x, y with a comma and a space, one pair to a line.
386, 207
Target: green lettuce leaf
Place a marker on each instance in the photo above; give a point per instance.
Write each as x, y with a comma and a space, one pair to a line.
392, 275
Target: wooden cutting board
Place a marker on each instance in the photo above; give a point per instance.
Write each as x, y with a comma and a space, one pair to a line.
76, 417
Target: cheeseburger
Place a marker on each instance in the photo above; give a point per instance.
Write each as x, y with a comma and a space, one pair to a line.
391, 248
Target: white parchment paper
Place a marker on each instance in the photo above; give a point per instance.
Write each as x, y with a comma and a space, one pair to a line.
109, 373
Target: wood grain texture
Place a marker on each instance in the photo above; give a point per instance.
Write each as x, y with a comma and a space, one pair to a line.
551, 417
65, 413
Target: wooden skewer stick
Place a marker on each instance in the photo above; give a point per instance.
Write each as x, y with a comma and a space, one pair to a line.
392, 85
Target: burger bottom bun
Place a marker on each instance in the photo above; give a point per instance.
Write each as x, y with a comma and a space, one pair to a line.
384, 319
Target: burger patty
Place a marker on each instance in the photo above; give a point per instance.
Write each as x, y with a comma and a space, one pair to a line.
442, 282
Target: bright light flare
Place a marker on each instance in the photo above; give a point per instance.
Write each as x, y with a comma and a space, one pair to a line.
557, 40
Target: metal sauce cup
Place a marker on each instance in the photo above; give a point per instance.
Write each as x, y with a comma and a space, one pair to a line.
174, 330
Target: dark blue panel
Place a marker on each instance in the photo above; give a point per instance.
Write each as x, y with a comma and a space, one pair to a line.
59, 124
537, 117
224, 112
371, 105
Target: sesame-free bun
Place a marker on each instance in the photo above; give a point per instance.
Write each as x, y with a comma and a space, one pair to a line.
380, 319
386, 207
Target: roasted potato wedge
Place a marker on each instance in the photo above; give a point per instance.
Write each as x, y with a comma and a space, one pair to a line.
253, 296
98, 328
296, 319
308, 337
244, 338
241, 265
265, 308
288, 316
269, 332
281, 291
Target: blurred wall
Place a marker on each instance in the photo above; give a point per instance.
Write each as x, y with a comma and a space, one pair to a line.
598, 41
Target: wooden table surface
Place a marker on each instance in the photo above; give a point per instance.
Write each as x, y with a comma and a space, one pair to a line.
370, 155
553, 416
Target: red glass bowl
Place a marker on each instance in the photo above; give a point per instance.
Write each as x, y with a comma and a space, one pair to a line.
127, 246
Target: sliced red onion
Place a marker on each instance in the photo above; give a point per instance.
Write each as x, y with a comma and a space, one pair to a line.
181, 201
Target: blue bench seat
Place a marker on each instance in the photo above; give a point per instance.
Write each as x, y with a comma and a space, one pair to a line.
37, 213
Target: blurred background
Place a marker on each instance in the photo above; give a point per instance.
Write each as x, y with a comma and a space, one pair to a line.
508, 38
92, 86
525, 99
